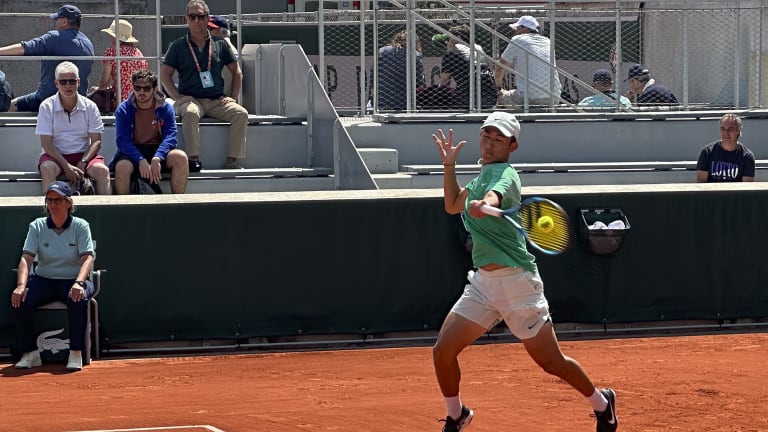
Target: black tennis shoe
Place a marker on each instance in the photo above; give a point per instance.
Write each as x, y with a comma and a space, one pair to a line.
607, 420
465, 418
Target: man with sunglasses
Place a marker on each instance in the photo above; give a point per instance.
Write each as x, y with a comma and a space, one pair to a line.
66, 40
145, 129
69, 125
199, 59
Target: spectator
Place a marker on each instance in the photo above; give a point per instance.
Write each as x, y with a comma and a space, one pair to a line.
506, 285
727, 160
393, 74
643, 89
5, 93
145, 129
529, 54
219, 27
127, 67
602, 81
70, 126
66, 40
199, 58
455, 66
64, 250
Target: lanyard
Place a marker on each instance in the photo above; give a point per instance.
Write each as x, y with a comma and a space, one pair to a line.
194, 55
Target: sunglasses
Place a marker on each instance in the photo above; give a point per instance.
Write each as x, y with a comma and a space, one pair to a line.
199, 17
54, 200
147, 88
67, 81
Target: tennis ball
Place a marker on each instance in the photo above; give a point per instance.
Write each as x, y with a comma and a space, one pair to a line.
545, 224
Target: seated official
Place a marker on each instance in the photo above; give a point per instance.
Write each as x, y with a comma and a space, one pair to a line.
145, 129
64, 249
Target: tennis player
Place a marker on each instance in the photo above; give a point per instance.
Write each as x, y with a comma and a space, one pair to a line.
506, 284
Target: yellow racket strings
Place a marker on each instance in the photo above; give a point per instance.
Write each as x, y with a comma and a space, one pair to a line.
556, 238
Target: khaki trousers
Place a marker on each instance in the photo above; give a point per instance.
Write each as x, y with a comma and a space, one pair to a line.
192, 112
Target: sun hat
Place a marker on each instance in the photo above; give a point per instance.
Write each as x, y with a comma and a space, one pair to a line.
126, 31
505, 122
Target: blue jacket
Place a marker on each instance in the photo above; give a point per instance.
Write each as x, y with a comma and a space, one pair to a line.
125, 118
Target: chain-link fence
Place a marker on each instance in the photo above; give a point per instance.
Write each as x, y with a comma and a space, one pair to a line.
708, 55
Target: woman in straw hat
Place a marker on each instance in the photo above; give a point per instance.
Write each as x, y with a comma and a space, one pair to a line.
127, 67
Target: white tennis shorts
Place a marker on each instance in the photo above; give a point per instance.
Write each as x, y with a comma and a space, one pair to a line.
510, 294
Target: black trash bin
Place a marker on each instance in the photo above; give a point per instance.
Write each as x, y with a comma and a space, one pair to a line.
603, 229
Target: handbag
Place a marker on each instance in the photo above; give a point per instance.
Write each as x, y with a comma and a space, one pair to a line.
104, 99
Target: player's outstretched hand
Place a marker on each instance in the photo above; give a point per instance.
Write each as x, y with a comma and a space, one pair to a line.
448, 152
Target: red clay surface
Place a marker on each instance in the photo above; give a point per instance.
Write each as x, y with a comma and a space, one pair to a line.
694, 383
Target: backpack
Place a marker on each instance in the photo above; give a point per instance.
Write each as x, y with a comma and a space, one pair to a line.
5, 93
139, 186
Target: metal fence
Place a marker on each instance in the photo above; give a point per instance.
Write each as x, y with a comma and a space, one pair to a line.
710, 54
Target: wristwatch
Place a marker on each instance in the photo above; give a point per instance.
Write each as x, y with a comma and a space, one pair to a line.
81, 283
84, 160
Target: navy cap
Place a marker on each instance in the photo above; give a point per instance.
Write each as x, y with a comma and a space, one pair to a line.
636, 71
602, 76
68, 12
218, 21
60, 187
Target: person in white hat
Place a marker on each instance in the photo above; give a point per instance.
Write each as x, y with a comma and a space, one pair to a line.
128, 48
528, 55
506, 285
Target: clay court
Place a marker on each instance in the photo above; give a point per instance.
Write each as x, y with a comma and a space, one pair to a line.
702, 383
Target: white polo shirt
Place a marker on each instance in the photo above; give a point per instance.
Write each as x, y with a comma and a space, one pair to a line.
535, 66
69, 130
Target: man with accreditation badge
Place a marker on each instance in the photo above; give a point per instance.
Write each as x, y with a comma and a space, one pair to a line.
199, 59
506, 284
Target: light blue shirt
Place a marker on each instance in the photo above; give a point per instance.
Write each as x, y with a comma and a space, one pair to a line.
58, 255
600, 100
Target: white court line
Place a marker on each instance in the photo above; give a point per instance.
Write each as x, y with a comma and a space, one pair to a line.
207, 427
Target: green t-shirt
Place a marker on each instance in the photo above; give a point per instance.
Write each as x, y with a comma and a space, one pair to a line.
58, 255
180, 58
494, 240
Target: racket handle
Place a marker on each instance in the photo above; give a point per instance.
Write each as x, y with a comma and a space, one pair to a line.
490, 210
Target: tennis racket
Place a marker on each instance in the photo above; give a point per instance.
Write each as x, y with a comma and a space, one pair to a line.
543, 223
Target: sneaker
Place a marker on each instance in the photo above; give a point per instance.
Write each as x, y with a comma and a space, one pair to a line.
607, 420
29, 360
75, 362
464, 420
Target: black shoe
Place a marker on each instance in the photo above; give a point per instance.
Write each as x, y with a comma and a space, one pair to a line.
607, 420
195, 165
465, 418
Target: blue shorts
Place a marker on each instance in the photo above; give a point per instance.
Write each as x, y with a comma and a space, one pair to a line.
28, 103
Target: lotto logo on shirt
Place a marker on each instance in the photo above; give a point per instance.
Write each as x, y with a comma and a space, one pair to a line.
724, 170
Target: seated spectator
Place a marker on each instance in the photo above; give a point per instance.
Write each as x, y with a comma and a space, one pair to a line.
69, 125
145, 129
540, 80
64, 249
455, 66
66, 40
5, 93
128, 48
219, 27
727, 160
602, 81
643, 90
199, 58
393, 75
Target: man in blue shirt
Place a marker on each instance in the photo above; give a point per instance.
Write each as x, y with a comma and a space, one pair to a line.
602, 82
644, 90
66, 40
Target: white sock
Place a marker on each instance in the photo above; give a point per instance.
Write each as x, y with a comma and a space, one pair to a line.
598, 401
453, 406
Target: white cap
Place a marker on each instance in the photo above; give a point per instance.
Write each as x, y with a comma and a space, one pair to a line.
526, 21
506, 123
